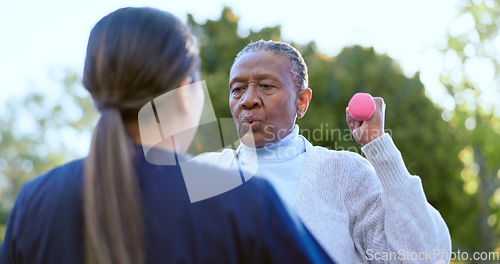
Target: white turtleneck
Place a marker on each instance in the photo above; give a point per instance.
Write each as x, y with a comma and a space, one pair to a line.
281, 163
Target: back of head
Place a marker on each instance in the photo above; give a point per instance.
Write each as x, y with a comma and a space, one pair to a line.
133, 56
136, 54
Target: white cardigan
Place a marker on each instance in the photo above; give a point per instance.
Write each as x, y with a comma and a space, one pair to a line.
364, 211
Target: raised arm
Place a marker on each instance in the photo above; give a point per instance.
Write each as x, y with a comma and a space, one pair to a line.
396, 224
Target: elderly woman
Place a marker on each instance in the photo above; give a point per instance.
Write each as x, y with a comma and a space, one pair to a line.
361, 210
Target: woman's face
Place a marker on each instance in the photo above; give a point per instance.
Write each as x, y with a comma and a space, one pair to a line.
263, 97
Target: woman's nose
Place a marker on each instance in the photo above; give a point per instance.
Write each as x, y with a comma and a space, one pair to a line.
250, 98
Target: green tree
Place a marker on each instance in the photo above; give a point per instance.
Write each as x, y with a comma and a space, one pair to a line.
472, 76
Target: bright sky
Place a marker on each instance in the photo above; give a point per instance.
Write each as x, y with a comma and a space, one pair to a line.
39, 37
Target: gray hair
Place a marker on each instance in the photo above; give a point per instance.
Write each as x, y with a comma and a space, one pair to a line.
298, 67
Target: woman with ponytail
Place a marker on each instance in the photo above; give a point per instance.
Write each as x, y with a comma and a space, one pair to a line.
115, 207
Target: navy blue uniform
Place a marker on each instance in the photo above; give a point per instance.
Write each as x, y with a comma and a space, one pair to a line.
248, 224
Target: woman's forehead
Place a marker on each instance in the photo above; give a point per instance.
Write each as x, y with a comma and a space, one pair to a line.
259, 56
260, 64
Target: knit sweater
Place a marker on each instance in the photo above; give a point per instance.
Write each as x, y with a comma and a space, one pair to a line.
364, 211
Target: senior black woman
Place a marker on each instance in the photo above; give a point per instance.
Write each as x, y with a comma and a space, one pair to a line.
360, 210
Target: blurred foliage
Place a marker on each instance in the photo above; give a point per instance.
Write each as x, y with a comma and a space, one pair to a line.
39, 132
431, 147
471, 74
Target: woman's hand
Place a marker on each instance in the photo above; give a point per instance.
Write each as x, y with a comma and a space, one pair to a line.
365, 132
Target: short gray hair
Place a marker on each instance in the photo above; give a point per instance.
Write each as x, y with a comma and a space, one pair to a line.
298, 67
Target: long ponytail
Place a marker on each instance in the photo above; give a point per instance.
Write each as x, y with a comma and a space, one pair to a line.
133, 56
112, 204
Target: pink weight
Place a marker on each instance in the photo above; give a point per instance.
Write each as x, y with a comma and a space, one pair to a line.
361, 106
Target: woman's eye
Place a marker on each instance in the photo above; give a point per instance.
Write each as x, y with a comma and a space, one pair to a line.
236, 89
265, 85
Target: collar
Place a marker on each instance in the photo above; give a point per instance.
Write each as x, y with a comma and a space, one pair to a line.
287, 148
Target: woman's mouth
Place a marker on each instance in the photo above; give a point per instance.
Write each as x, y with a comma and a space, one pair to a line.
251, 122
254, 124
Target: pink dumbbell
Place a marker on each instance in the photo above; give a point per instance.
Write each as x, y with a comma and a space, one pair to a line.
361, 107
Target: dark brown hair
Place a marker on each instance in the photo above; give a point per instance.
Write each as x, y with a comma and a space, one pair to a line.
133, 56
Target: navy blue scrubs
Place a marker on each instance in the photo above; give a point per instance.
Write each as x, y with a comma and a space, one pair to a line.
248, 224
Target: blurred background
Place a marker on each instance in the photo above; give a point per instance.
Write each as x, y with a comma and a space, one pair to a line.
436, 63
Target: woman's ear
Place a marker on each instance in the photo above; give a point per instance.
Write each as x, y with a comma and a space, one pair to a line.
303, 98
